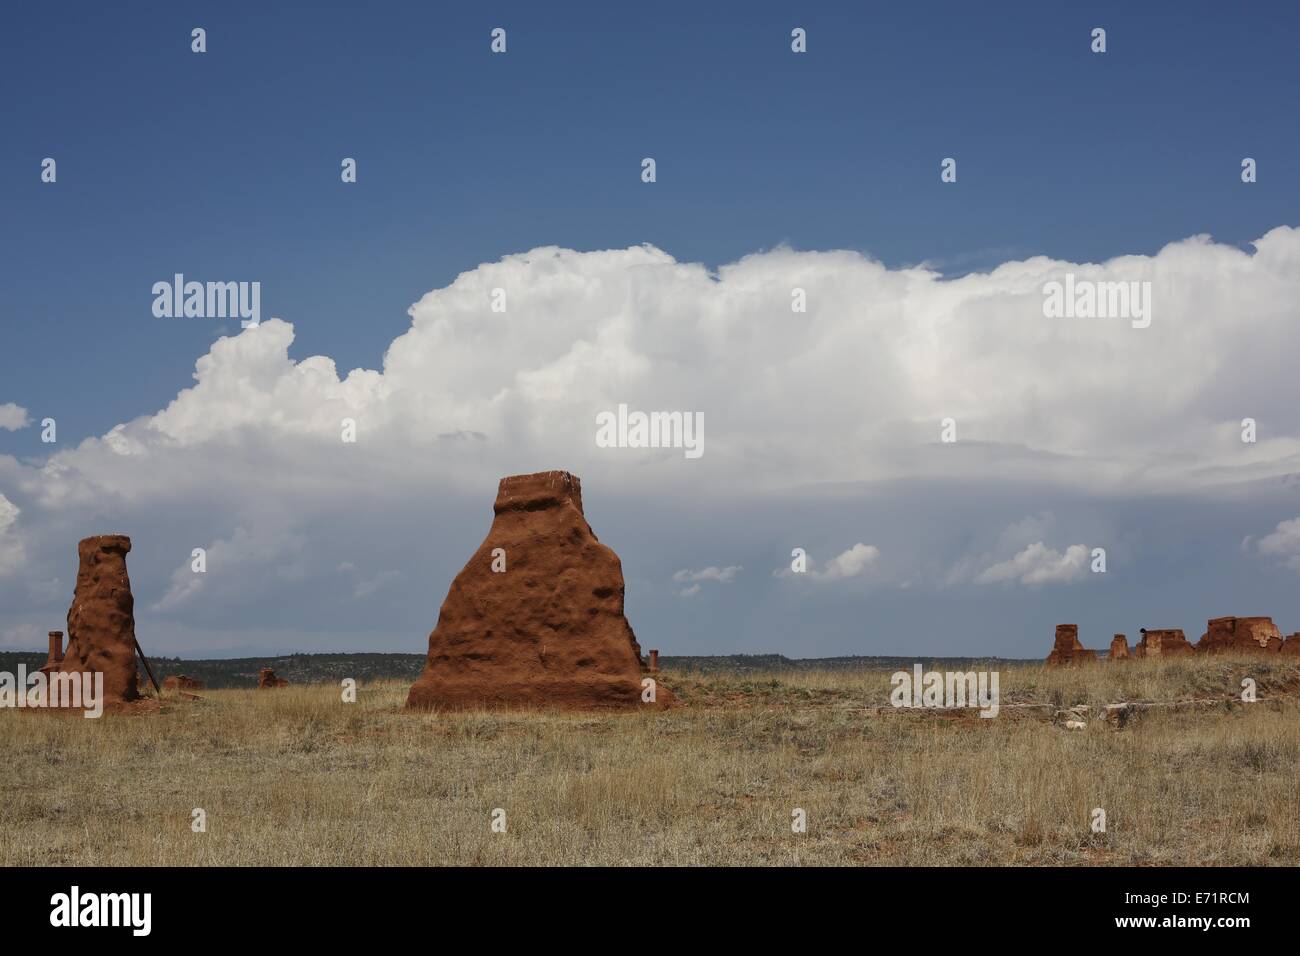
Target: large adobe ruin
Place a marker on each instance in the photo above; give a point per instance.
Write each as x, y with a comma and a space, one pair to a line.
1226, 634
101, 621
1223, 635
535, 618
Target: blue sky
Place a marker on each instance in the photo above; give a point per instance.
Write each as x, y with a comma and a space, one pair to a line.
225, 166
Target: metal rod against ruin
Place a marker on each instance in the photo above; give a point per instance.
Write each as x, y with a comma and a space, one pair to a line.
144, 660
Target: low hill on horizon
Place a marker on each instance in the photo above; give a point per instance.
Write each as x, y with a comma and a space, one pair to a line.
328, 668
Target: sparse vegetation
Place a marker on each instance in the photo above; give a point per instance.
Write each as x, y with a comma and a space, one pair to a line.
295, 776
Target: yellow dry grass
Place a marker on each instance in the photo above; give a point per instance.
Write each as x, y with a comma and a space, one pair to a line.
296, 776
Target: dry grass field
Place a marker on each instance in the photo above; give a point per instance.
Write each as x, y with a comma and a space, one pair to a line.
295, 776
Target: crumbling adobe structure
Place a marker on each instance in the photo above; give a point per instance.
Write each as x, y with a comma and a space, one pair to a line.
266, 679
535, 618
101, 620
1163, 642
1291, 645
1241, 634
1118, 648
179, 682
1067, 649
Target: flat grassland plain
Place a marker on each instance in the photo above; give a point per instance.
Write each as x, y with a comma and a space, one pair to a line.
297, 777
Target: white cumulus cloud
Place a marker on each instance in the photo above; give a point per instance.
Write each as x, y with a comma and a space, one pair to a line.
1038, 564
13, 417
850, 563
851, 391
856, 562
1282, 543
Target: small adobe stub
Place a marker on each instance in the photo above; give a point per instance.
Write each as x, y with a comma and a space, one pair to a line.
180, 682
266, 680
535, 618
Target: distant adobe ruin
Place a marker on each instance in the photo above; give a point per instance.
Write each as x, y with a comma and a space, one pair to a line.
1163, 642
1223, 635
55, 656
266, 679
1067, 649
179, 682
